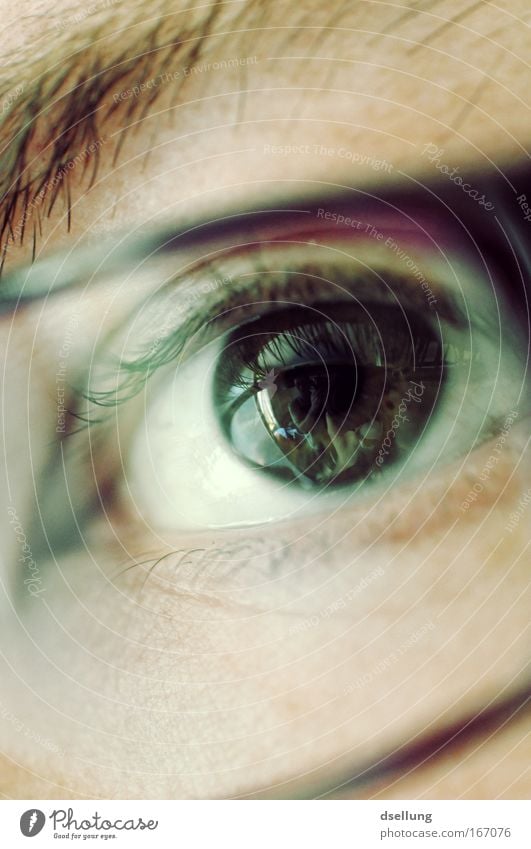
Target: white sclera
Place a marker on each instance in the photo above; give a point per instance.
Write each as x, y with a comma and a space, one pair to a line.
182, 472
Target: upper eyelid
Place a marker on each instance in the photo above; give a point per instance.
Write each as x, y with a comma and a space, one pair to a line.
70, 268
402, 193
73, 268
79, 266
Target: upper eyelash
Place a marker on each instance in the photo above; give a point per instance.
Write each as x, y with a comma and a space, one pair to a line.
130, 376
138, 371
342, 339
297, 339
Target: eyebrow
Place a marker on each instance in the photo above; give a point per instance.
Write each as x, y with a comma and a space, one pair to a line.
75, 88
69, 89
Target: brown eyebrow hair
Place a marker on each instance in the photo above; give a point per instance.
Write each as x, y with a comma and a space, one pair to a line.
70, 88
54, 109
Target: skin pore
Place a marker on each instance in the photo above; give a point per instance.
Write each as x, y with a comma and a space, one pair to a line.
232, 669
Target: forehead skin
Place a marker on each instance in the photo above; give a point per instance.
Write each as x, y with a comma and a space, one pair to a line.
379, 80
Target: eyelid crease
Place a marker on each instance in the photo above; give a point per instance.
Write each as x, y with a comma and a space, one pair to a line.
86, 262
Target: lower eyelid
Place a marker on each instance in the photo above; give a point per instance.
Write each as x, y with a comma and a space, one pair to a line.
422, 510
229, 572
219, 572
449, 496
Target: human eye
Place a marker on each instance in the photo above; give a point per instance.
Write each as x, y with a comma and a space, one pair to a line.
330, 373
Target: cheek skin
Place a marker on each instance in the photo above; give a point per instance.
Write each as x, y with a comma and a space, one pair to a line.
466, 494
270, 651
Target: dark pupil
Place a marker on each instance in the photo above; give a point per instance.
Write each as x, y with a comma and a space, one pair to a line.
323, 417
330, 402
314, 390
